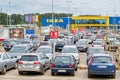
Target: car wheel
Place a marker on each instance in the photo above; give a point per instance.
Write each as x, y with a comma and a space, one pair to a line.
76, 69
52, 73
73, 73
89, 76
16, 65
113, 76
20, 72
43, 71
4, 70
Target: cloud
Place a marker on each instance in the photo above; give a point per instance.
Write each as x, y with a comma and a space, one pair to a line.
76, 6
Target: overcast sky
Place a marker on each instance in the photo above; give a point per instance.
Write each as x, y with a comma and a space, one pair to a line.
77, 7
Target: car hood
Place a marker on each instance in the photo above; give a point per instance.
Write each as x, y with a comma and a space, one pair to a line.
76, 55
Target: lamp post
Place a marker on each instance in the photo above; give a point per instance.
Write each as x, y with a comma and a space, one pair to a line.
9, 15
68, 15
52, 13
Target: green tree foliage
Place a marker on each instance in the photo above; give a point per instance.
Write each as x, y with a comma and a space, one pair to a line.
20, 19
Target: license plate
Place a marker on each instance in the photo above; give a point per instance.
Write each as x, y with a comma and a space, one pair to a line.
102, 66
61, 70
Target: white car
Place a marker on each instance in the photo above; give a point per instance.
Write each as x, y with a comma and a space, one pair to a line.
71, 50
47, 50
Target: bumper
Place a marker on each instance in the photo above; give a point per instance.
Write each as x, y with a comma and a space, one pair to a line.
63, 70
101, 72
29, 69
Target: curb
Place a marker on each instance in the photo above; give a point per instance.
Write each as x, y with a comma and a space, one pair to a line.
82, 67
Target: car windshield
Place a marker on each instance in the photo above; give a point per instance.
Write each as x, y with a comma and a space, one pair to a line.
29, 58
62, 59
44, 50
97, 43
81, 42
69, 50
17, 49
6, 42
97, 51
101, 59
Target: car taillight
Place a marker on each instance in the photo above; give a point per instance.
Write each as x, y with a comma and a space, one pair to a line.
102, 46
71, 66
20, 62
36, 62
52, 65
112, 61
92, 45
91, 60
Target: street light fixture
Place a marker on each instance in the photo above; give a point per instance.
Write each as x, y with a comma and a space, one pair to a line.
68, 14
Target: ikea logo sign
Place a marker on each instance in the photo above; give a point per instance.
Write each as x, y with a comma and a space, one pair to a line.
54, 20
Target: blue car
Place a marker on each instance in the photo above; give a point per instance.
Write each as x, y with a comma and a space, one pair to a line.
63, 64
101, 64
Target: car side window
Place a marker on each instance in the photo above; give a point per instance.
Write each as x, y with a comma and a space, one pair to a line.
10, 56
43, 56
5, 57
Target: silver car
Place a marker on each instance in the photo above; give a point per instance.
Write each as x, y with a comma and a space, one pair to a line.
47, 50
33, 62
7, 62
71, 50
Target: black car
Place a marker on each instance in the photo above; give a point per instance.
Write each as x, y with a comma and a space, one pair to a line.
59, 45
47, 37
63, 64
8, 44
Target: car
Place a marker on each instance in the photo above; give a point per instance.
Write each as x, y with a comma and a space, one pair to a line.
63, 64
33, 62
101, 64
46, 50
82, 45
8, 44
20, 49
7, 62
43, 43
71, 50
98, 44
94, 50
59, 45
47, 37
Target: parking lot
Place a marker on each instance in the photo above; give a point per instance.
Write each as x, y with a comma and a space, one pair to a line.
81, 74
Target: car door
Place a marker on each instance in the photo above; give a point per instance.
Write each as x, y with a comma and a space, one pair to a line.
7, 61
46, 61
12, 60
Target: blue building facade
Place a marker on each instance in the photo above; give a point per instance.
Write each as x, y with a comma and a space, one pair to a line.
114, 21
61, 22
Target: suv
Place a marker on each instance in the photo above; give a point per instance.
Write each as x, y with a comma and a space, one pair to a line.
33, 62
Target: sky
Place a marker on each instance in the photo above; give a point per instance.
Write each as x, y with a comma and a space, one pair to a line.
76, 7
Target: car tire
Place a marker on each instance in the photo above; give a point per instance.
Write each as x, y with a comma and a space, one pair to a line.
43, 71
76, 69
52, 73
20, 72
16, 65
73, 73
4, 70
113, 76
89, 76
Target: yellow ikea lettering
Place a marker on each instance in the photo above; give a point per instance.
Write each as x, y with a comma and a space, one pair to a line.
54, 20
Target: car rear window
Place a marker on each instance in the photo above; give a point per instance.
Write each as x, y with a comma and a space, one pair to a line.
102, 59
6, 42
63, 59
29, 58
